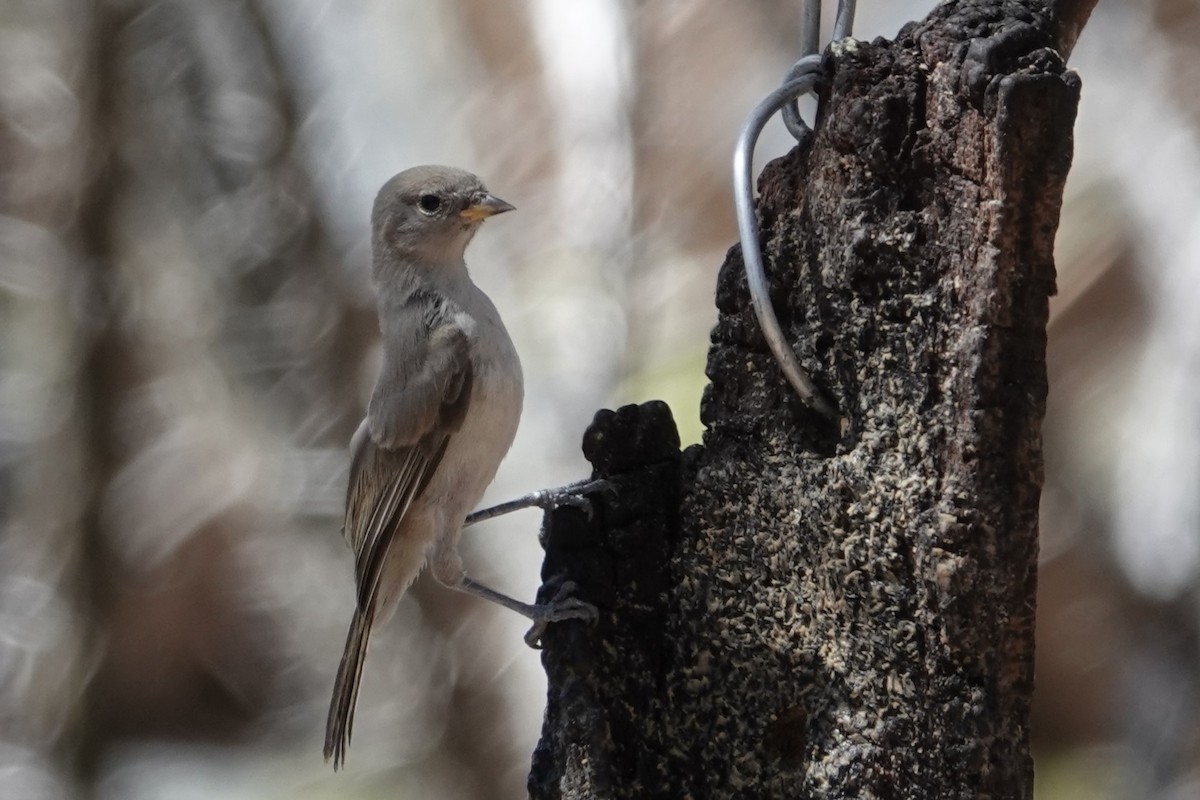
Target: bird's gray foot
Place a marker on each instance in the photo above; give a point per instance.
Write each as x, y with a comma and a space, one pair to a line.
573, 494
561, 607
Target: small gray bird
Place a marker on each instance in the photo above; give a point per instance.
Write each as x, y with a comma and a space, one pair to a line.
441, 418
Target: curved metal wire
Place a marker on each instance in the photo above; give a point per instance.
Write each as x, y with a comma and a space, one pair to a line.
810, 40
800, 79
791, 109
743, 196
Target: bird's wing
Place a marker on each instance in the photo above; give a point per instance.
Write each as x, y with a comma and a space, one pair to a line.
429, 354
416, 407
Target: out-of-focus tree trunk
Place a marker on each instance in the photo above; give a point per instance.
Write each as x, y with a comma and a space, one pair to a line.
806, 608
182, 340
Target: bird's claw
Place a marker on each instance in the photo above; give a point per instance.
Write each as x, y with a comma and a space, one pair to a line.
573, 500
576, 496
559, 609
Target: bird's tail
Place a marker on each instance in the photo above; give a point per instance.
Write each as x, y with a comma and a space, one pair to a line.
345, 690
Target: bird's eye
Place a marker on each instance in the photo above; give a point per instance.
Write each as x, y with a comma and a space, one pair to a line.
429, 203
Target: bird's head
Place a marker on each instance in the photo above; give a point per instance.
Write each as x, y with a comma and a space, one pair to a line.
426, 216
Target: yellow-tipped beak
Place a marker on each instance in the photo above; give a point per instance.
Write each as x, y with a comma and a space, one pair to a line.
485, 206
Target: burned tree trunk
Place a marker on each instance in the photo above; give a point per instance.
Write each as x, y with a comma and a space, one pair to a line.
801, 608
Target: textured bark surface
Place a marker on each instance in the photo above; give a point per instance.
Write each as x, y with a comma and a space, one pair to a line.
806, 609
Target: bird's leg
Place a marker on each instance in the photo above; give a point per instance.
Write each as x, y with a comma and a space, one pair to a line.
561, 607
573, 494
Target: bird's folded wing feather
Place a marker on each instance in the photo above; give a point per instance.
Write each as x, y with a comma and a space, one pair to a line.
415, 408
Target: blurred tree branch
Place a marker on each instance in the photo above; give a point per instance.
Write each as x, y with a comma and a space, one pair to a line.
796, 610
183, 220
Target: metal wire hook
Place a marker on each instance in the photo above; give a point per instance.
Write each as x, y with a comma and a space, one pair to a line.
756, 278
801, 78
791, 109
810, 40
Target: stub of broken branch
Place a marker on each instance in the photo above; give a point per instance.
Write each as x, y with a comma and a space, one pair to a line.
605, 677
793, 611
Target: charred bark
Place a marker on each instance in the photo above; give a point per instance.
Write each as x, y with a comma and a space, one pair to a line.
801, 608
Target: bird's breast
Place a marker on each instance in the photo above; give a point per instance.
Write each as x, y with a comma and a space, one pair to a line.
476, 449
498, 388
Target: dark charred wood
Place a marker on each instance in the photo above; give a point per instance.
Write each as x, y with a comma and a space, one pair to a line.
799, 609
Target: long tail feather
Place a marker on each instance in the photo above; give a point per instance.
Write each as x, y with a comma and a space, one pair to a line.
345, 690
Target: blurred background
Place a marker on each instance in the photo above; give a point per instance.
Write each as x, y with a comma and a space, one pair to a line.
187, 341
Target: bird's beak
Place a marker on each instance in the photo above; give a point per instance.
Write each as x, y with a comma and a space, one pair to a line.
484, 206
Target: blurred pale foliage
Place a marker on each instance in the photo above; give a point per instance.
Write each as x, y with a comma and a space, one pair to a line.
187, 341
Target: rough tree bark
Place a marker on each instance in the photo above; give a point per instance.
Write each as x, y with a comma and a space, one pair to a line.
806, 609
